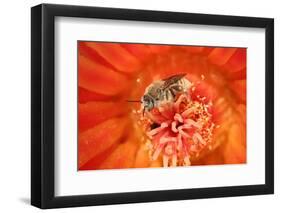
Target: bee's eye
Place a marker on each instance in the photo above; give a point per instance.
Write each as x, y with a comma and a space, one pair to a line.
146, 100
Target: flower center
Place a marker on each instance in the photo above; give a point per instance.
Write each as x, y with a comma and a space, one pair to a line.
178, 129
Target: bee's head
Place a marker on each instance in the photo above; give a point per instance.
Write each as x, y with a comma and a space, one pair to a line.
147, 102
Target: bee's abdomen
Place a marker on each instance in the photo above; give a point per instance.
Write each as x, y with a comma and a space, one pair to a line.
173, 90
168, 95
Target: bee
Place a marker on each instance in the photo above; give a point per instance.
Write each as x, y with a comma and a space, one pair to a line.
165, 90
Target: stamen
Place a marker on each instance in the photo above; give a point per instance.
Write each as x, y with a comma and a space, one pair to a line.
165, 161
184, 134
167, 139
178, 117
193, 123
187, 112
199, 137
174, 160
184, 127
186, 161
202, 77
174, 126
179, 142
157, 152
169, 149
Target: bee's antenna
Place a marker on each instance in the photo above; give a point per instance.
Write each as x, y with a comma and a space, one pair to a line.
134, 101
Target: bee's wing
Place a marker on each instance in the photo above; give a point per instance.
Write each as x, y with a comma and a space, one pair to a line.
172, 79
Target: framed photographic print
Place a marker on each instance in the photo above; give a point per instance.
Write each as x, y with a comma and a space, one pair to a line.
140, 106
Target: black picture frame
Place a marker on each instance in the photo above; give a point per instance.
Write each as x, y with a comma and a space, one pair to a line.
43, 102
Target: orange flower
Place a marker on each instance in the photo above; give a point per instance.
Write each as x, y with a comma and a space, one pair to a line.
111, 132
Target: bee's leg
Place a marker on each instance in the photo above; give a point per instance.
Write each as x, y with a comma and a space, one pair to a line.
143, 111
175, 90
172, 91
166, 95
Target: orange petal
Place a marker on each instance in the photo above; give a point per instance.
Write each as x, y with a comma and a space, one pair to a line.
158, 49
99, 138
141, 51
235, 149
100, 79
207, 50
156, 163
122, 157
220, 56
142, 157
220, 110
205, 91
241, 108
237, 75
96, 161
212, 158
86, 96
92, 113
92, 54
116, 55
239, 88
192, 49
235, 67
237, 61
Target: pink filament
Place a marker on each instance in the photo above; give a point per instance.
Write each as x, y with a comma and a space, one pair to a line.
180, 134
